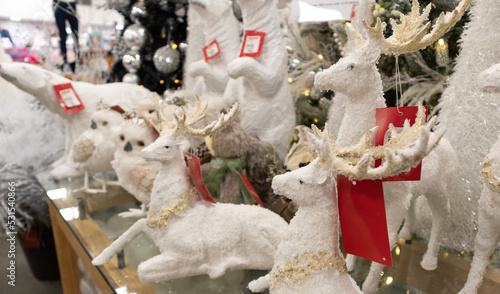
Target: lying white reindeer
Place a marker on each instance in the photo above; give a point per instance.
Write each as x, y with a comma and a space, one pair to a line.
308, 259
196, 237
366, 95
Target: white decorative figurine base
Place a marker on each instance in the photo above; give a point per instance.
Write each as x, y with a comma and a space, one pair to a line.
196, 237
39, 83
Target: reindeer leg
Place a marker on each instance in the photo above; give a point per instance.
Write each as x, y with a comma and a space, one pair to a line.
118, 244
406, 232
350, 261
440, 208
485, 244
170, 265
260, 284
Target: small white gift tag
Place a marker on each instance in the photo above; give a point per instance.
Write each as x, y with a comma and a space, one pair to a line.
252, 44
211, 50
68, 98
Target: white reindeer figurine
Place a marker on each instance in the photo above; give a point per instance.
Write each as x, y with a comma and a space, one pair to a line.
261, 84
308, 259
488, 234
196, 237
357, 77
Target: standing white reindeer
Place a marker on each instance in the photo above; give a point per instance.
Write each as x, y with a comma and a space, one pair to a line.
221, 25
196, 237
488, 235
261, 84
366, 95
308, 259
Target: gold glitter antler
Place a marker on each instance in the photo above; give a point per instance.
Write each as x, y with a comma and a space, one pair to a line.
403, 151
411, 35
183, 121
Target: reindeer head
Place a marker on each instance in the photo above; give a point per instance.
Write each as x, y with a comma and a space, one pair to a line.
403, 151
172, 142
409, 36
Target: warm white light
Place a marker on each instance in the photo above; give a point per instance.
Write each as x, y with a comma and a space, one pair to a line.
389, 281
320, 56
398, 250
57, 193
441, 42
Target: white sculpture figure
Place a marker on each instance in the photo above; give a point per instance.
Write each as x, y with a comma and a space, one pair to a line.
308, 259
196, 237
261, 84
219, 24
135, 174
39, 83
93, 150
488, 235
366, 95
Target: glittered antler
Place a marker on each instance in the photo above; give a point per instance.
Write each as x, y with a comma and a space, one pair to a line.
411, 34
183, 121
403, 151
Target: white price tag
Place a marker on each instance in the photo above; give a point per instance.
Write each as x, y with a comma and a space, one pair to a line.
69, 98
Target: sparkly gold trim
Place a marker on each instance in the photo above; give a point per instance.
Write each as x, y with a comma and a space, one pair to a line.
177, 207
490, 179
300, 267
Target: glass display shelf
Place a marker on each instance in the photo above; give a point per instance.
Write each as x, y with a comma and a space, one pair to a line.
87, 223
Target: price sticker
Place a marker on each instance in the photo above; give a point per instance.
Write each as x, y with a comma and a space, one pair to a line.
211, 50
68, 98
252, 44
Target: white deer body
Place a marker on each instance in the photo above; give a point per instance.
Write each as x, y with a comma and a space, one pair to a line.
194, 236
488, 235
312, 232
363, 97
261, 84
39, 83
221, 25
308, 259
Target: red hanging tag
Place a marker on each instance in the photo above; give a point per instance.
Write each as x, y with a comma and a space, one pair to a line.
252, 43
386, 116
251, 189
68, 98
211, 50
362, 219
195, 172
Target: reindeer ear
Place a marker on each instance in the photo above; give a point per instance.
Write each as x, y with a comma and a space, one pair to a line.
321, 177
371, 55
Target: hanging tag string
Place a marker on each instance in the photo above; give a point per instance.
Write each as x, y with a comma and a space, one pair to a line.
399, 87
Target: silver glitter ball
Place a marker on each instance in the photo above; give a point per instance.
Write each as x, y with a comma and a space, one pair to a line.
166, 59
138, 11
132, 61
136, 36
183, 46
131, 78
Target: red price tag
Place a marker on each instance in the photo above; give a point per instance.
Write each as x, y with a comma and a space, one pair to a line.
252, 44
362, 219
195, 172
211, 50
251, 189
68, 98
386, 116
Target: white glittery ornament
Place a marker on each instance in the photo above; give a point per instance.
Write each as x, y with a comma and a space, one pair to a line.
131, 78
132, 61
166, 59
136, 36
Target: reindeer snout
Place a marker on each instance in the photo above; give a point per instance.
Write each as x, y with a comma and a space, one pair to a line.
277, 185
321, 81
127, 147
